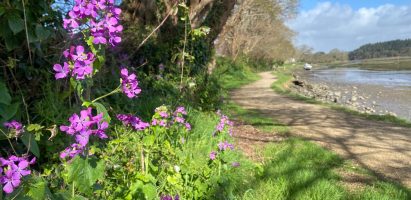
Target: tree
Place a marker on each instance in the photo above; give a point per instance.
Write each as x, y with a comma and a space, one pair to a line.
256, 29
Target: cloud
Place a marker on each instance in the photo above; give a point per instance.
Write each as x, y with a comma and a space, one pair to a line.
333, 25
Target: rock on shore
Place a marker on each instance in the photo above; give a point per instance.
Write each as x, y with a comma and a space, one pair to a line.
347, 97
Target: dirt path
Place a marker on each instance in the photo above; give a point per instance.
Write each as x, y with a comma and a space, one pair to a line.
381, 147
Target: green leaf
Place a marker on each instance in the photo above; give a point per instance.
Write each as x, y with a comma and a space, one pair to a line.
101, 109
34, 127
77, 87
8, 112
84, 172
2, 10
149, 140
29, 140
87, 104
66, 195
41, 32
11, 43
150, 191
5, 97
38, 190
16, 24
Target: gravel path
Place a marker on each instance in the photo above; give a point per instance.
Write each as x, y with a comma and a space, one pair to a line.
380, 147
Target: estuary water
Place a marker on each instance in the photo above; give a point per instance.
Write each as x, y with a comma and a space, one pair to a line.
387, 91
388, 79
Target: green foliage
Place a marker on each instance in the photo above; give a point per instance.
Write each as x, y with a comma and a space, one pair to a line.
382, 49
7, 108
233, 74
83, 173
31, 144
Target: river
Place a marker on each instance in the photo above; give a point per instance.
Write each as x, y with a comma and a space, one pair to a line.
385, 91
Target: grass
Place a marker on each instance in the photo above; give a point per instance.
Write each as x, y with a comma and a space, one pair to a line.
234, 74
284, 78
299, 169
256, 119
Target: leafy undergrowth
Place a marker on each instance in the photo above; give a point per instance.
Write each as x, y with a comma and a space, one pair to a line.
234, 74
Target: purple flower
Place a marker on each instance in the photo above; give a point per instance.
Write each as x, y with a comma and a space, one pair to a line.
82, 127
72, 151
163, 114
20, 168
15, 126
188, 126
179, 120
223, 146
133, 121
71, 22
181, 110
222, 124
83, 137
99, 38
16, 169
61, 71
163, 123
213, 155
80, 63
129, 84
10, 181
235, 164
161, 67
169, 197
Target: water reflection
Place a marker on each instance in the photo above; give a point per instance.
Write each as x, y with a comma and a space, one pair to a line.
359, 76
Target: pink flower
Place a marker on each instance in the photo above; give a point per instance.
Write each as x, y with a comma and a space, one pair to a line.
15, 126
11, 181
61, 71
129, 84
213, 155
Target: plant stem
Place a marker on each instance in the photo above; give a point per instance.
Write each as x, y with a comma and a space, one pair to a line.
8, 139
27, 33
184, 52
161, 24
108, 94
142, 160
72, 191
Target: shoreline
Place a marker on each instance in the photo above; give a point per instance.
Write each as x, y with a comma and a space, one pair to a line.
366, 99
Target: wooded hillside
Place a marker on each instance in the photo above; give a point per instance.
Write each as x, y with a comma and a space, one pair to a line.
382, 49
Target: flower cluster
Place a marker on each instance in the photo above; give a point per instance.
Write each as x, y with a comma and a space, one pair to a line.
14, 169
129, 84
178, 117
82, 127
223, 146
14, 126
163, 118
79, 63
169, 197
222, 124
102, 16
133, 121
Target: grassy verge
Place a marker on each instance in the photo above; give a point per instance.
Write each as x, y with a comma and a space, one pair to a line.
299, 169
284, 78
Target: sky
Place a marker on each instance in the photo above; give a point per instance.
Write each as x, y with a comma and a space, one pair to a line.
346, 25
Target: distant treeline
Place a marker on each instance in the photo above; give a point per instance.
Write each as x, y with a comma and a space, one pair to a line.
382, 49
